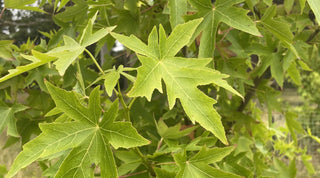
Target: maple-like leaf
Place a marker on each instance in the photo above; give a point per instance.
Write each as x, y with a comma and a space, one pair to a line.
197, 166
71, 50
7, 118
88, 138
37, 59
181, 75
278, 28
64, 55
222, 11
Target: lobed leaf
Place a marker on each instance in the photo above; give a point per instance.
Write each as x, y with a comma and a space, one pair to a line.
180, 75
223, 11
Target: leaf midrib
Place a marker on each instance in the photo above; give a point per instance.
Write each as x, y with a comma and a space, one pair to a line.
199, 109
85, 116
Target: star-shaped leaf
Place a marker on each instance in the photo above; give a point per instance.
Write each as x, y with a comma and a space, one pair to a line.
8, 119
88, 138
71, 50
64, 55
278, 28
222, 11
197, 166
181, 75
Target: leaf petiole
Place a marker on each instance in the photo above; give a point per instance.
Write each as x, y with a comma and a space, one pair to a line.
94, 60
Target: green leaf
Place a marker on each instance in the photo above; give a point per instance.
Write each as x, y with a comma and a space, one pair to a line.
209, 156
312, 136
315, 6
285, 171
76, 12
181, 75
61, 3
8, 119
162, 173
222, 11
86, 136
276, 69
172, 132
71, 50
288, 4
293, 125
278, 28
306, 159
294, 73
3, 170
65, 55
5, 49
37, 60
130, 159
302, 5
21, 4
188, 169
178, 8
54, 138
69, 103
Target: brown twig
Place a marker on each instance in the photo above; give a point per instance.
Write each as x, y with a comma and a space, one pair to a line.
147, 9
2, 11
251, 93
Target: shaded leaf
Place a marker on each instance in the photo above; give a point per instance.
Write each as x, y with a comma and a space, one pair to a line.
188, 169
37, 60
8, 119
222, 11
178, 8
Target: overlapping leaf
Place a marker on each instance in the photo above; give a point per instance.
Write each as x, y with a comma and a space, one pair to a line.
37, 58
222, 11
63, 55
5, 49
181, 75
7, 118
197, 166
87, 136
279, 29
71, 50
178, 8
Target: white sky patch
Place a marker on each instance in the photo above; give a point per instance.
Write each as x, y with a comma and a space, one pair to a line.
118, 47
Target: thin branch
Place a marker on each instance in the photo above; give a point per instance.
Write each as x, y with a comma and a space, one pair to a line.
314, 34
94, 60
145, 161
159, 144
251, 93
2, 12
17, 23
149, 8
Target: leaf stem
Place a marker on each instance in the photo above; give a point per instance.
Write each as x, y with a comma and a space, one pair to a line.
94, 60
123, 103
2, 12
145, 161
131, 103
80, 78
